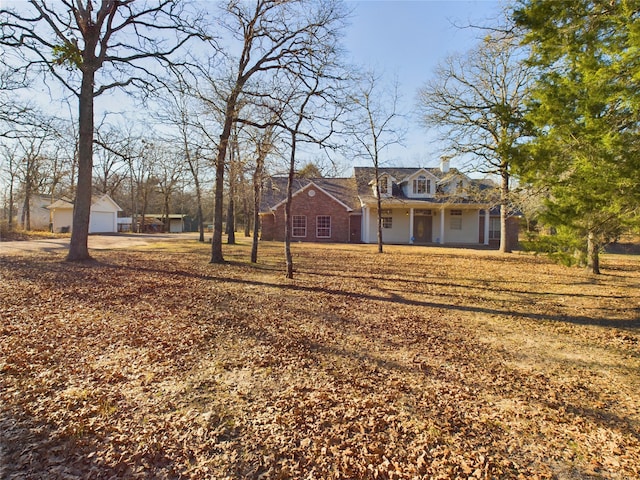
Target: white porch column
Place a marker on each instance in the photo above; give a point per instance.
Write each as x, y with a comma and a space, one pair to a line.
365, 225
411, 225
442, 210
486, 226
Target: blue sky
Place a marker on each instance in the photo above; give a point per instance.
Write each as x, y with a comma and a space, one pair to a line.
407, 39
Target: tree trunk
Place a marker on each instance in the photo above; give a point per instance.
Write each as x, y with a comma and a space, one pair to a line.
231, 221
200, 215
145, 198
379, 203
26, 209
166, 221
78, 249
134, 204
234, 158
255, 239
257, 195
593, 253
11, 204
247, 213
28, 185
504, 203
287, 209
216, 239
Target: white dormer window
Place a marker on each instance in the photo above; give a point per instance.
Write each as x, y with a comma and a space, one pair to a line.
421, 185
384, 185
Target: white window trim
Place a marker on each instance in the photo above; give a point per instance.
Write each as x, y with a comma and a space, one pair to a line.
318, 226
494, 233
384, 184
457, 216
414, 185
293, 226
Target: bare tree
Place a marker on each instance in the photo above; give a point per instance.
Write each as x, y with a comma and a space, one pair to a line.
110, 167
181, 110
273, 35
72, 42
294, 130
168, 172
60, 165
10, 163
477, 100
263, 140
234, 167
311, 111
377, 127
142, 166
32, 150
14, 113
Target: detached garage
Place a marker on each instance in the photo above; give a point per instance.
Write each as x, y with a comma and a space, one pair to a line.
102, 219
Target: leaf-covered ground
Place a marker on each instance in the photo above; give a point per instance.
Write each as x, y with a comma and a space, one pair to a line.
418, 363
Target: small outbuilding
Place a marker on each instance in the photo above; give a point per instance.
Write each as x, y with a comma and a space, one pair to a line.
103, 217
157, 222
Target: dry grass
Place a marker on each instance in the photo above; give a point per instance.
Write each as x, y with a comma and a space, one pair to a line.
418, 363
18, 234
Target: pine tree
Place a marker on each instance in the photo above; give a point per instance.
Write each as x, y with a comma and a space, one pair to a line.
585, 107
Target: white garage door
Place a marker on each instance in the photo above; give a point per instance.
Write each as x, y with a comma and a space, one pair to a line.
101, 222
175, 226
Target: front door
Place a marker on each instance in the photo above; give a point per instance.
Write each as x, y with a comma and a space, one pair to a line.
422, 229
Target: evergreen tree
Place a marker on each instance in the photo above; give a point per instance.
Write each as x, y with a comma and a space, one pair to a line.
585, 107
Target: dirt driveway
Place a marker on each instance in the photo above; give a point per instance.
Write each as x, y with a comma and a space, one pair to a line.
96, 242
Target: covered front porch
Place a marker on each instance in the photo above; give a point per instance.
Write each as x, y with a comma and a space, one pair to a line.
421, 224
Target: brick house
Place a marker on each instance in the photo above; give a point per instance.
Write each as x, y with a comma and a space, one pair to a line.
422, 206
322, 210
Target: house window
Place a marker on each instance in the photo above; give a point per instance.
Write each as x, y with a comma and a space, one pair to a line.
494, 228
387, 222
299, 226
323, 226
420, 185
455, 222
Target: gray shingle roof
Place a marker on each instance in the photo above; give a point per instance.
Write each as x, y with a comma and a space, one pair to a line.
274, 190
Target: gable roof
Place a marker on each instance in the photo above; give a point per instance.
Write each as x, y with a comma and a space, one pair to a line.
104, 200
65, 203
364, 175
383, 174
62, 203
419, 171
343, 190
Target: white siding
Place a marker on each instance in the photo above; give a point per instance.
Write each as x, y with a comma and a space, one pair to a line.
399, 233
175, 225
469, 232
470, 228
62, 219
